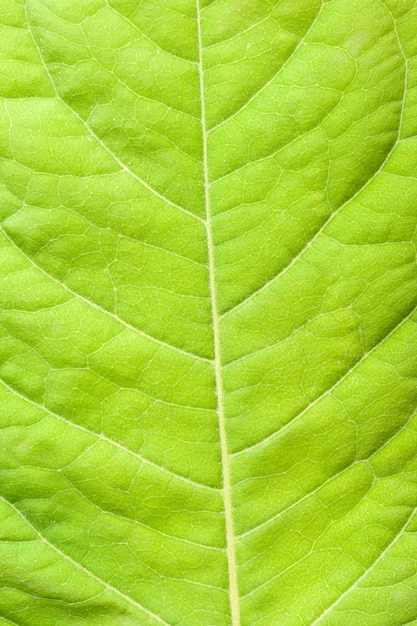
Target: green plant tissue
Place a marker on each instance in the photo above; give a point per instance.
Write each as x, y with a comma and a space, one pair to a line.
208, 291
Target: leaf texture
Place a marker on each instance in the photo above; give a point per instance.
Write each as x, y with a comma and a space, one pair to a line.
208, 350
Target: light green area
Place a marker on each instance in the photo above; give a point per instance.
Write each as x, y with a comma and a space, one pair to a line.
208, 277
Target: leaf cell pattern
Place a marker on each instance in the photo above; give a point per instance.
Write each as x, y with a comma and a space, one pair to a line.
208, 312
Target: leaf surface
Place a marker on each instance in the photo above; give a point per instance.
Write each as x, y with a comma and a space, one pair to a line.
208, 330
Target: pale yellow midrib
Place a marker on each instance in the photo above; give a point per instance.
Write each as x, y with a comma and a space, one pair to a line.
225, 457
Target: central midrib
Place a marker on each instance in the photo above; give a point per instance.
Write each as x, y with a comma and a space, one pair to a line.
225, 457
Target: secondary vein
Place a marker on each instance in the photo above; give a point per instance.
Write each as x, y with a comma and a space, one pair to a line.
225, 457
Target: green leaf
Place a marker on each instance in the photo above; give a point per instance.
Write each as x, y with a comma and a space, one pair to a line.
208, 331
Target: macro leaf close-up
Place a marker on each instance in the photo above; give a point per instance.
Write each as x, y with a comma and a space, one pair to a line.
208, 323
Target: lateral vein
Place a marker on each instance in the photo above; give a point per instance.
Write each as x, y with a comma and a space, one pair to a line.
90, 130
79, 566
